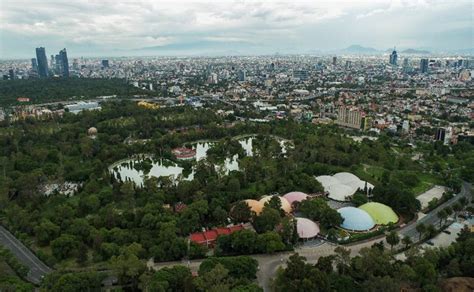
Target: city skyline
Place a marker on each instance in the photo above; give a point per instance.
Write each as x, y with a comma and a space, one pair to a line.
141, 28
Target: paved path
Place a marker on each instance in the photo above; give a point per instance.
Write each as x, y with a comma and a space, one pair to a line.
268, 264
37, 268
432, 218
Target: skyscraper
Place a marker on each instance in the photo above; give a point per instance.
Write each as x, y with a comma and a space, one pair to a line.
348, 65
64, 66
11, 73
424, 66
34, 65
242, 75
42, 62
394, 58
105, 63
334, 61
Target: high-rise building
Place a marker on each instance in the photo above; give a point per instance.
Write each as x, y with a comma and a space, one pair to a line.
75, 65
64, 66
51, 62
242, 75
11, 74
334, 61
348, 65
440, 134
42, 62
424, 66
394, 58
34, 65
57, 64
349, 117
105, 63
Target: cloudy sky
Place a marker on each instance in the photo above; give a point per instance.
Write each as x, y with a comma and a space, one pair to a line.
134, 27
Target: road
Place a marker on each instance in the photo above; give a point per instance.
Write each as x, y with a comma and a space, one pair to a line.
37, 268
269, 264
432, 218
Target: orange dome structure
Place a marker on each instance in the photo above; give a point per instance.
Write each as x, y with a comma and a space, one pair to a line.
255, 206
285, 205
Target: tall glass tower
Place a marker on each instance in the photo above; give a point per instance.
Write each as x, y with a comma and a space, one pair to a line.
64, 69
42, 62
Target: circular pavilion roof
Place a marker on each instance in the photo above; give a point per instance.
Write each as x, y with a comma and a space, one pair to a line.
306, 228
342, 185
255, 206
285, 205
92, 131
380, 213
295, 197
356, 219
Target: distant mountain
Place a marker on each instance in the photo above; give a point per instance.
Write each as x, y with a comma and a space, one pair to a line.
357, 49
203, 48
469, 51
415, 51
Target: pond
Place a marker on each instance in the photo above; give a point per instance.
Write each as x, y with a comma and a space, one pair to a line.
131, 169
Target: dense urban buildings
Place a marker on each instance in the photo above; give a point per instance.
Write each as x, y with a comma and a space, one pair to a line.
237, 146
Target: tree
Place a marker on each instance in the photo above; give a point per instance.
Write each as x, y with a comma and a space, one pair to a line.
359, 199
343, 258
82, 255
269, 242
267, 220
300, 276
70, 282
175, 278
406, 240
63, 246
442, 215
216, 280
46, 231
241, 212
239, 267
393, 239
430, 230
128, 267
421, 229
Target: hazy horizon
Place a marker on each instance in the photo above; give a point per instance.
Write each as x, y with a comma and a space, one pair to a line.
92, 28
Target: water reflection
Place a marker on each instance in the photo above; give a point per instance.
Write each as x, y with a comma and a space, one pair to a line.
136, 169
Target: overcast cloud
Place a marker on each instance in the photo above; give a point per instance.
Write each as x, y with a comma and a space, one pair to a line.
106, 27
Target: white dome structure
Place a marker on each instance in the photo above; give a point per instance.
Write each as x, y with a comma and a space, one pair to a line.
306, 228
342, 185
92, 131
285, 205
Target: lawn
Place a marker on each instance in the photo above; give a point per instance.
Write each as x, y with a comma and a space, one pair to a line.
427, 181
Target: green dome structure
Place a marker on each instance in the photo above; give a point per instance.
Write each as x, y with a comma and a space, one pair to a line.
380, 213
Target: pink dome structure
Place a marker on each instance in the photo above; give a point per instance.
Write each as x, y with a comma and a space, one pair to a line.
293, 197
306, 228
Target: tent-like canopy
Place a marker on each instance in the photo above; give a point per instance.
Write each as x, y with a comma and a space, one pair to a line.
382, 214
